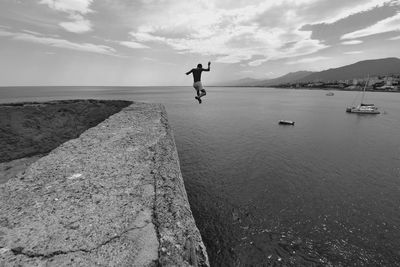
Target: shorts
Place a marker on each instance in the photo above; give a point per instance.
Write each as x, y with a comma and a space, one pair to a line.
198, 86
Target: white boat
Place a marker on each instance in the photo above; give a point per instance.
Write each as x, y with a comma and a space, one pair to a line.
363, 108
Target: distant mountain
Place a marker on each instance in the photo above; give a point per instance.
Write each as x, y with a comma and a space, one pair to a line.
360, 69
240, 82
288, 78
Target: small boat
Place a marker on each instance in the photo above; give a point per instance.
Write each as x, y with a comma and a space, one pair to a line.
330, 94
286, 122
363, 108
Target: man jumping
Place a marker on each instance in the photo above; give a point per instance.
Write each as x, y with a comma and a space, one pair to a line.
197, 80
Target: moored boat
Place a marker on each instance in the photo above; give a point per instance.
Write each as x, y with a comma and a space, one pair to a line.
285, 122
363, 108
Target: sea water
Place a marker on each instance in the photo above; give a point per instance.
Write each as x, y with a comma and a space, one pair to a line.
325, 191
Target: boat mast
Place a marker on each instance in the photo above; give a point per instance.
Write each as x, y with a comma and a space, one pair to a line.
365, 86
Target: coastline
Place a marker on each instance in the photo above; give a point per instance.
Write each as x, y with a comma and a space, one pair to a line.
312, 88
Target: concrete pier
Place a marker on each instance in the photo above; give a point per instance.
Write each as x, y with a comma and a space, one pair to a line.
114, 196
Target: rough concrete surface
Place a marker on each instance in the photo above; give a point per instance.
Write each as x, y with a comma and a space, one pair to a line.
112, 197
11, 168
32, 128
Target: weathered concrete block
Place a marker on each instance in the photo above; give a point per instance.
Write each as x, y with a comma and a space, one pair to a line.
31, 128
112, 197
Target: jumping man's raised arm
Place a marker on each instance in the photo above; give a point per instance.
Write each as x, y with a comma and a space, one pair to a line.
208, 69
187, 73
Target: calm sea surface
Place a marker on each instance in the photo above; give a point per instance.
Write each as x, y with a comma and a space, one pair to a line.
325, 192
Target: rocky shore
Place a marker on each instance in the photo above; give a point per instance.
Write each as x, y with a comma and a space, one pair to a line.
114, 196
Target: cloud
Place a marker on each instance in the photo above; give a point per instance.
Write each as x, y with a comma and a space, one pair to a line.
332, 32
234, 58
394, 38
31, 32
60, 43
307, 60
229, 35
149, 59
69, 6
328, 11
257, 62
247, 71
76, 9
5, 33
386, 25
79, 25
133, 45
252, 31
352, 42
353, 52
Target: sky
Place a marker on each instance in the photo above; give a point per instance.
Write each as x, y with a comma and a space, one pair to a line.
154, 42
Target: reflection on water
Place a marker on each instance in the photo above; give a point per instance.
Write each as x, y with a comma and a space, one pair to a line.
323, 192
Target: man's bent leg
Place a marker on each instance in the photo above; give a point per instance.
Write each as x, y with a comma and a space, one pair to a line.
203, 92
198, 96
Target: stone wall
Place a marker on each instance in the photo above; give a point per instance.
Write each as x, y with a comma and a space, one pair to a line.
112, 197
